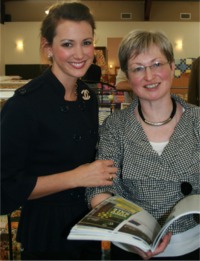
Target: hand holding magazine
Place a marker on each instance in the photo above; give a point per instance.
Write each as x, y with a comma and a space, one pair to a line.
127, 224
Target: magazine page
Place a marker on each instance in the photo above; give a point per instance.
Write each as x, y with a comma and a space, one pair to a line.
120, 220
188, 205
183, 243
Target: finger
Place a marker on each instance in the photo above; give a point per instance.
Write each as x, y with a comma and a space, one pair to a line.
110, 178
165, 241
163, 244
109, 162
113, 170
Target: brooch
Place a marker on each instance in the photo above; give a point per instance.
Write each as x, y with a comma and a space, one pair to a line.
85, 95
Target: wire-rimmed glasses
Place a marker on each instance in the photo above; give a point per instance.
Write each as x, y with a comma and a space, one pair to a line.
139, 70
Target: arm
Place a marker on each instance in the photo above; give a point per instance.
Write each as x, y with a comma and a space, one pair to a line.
109, 149
99, 198
87, 175
20, 179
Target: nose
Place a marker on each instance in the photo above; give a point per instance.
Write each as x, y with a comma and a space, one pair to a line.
148, 73
79, 52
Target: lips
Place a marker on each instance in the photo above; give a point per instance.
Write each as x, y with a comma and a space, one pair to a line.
151, 86
78, 65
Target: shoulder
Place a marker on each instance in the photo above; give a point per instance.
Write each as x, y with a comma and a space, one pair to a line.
195, 111
34, 85
193, 115
25, 96
28, 88
117, 119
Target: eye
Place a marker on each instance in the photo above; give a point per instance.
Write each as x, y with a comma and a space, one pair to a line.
138, 69
87, 42
156, 65
67, 44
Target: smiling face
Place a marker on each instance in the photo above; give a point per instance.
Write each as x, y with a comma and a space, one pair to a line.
155, 81
72, 49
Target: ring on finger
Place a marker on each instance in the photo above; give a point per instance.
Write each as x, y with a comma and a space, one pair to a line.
111, 178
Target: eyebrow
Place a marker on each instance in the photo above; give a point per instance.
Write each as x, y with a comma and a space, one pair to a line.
152, 61
71, 40
66, 40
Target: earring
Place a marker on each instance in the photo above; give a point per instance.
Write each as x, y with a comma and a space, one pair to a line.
50, 56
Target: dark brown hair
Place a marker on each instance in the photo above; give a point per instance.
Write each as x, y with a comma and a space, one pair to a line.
73, 11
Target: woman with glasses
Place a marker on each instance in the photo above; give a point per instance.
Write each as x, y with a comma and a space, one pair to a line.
155, 144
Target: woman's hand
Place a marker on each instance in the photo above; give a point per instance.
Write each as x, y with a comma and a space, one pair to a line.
160, 248
97, 173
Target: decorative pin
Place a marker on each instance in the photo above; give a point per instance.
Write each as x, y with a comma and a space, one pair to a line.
85, 94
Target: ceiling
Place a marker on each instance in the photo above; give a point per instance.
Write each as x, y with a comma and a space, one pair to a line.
104, 0
147, 3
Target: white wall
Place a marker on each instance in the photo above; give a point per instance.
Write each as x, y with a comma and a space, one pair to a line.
1, 50
189, 32
29, 32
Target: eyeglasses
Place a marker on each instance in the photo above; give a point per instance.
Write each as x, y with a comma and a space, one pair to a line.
140, 70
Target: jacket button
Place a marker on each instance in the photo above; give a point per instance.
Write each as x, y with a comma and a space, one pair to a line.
64, 108
22, 91
77, 137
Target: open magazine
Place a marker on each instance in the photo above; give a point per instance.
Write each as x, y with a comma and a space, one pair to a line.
125, 223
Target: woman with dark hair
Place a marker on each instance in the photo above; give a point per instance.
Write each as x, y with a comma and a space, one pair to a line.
49, 136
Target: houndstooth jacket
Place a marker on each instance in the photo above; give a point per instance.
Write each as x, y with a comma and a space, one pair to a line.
154, 182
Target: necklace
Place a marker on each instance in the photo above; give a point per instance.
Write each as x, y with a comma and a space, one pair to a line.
76, 91
157, 123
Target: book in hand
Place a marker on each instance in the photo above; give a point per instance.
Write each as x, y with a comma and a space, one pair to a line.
124, 223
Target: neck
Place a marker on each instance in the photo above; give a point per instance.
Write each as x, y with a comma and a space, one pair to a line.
157, 124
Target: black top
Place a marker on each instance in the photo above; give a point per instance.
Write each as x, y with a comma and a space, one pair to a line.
43, 134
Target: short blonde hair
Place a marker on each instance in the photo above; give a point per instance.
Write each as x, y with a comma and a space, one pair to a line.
137, 41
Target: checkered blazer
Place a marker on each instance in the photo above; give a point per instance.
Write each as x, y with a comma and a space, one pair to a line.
152, 181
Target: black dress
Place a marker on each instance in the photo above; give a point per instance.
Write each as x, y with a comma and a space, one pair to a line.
42, 134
